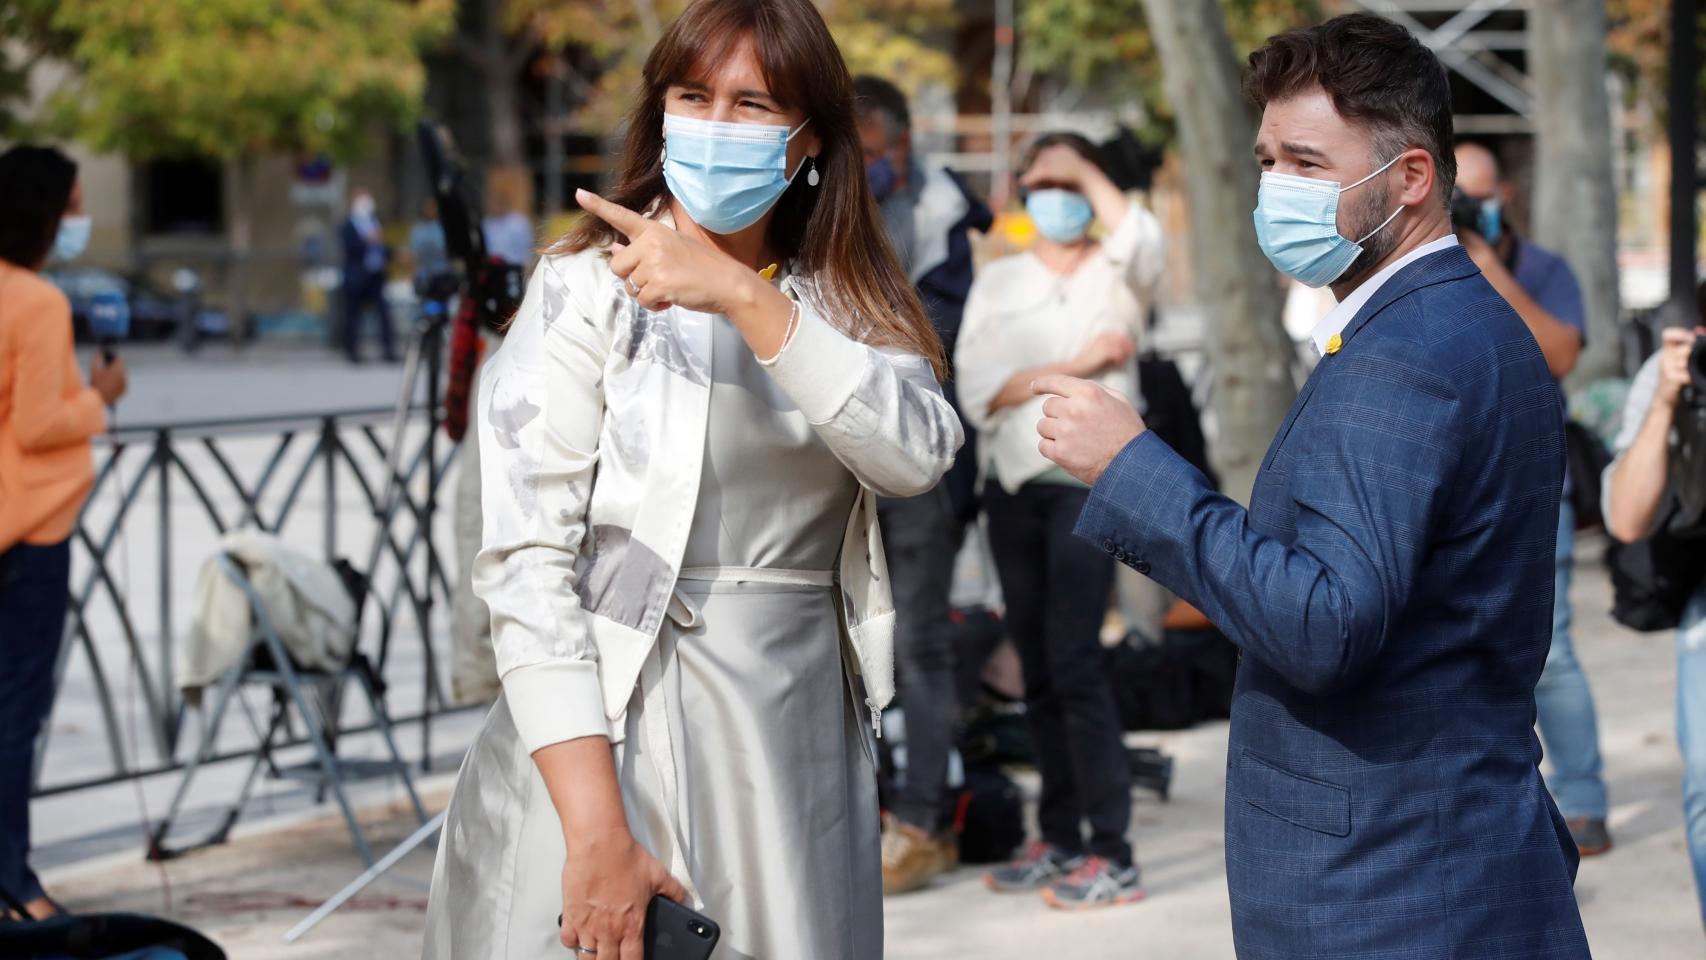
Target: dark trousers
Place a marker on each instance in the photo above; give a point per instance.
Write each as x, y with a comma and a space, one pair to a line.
921, 536
1056, 588
35, 585
361, 292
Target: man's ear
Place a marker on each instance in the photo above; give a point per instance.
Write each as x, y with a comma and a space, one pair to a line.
1416, 167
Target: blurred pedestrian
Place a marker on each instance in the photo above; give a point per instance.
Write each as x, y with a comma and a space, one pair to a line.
682, 438
365, 259
428, 254
1542, 289
928, 213
1072, 305
1638, 500
509, 232
1389, 582
47, 418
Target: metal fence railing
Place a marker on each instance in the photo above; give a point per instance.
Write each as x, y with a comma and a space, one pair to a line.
163, 495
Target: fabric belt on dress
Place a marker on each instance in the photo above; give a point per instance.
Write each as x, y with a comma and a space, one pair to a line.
798, 578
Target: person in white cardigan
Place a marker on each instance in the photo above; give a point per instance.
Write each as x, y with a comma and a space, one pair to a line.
1073, 304
682, 438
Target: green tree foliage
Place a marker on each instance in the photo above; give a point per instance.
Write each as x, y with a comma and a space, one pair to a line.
1638, 44
1105, 45
892, 38
231, 78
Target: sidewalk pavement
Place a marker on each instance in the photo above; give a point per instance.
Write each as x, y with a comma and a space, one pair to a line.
1638, 901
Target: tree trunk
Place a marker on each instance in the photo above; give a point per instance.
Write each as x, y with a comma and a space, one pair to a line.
1250, 353
1575, 201
242, 173
497, 65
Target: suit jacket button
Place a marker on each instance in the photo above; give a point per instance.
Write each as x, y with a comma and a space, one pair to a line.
1142, 567
1107, 546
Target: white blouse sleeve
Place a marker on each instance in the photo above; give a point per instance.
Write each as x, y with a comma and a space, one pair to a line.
879, 409
979, 368
540, 409
1137, 250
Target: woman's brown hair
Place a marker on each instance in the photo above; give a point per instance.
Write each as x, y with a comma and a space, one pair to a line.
832, 232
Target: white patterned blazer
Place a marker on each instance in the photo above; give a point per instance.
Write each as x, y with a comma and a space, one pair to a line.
592, 419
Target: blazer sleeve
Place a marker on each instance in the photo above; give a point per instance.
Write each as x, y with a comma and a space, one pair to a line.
879, 409
43, 418
540, 410
1368, 485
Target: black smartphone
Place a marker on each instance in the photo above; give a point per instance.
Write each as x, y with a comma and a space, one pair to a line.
674, 932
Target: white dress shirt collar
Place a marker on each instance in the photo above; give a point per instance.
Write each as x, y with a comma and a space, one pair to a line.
1334, 323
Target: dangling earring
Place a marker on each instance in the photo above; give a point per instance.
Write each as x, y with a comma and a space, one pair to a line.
812, 179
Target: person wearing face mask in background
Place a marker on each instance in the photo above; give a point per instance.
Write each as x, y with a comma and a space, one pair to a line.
1071, 305
1391, 582
365, 259
928, 213
47, 418
1542, 289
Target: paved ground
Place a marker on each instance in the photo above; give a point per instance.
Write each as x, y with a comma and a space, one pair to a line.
1638, 901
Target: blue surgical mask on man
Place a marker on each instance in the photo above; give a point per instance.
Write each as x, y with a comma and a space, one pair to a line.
72, 238
1297, 225
882, 177
1063, 216
726, 175
1490, 221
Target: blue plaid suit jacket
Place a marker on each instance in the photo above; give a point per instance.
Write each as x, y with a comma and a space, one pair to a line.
1391, 588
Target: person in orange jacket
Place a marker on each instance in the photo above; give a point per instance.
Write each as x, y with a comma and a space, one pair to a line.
48, 416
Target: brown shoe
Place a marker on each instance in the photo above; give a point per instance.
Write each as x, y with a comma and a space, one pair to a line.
911, 858
1592, 839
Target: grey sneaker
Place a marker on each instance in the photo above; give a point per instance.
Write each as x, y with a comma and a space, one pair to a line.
1591, 837
1096, 882
1040, 865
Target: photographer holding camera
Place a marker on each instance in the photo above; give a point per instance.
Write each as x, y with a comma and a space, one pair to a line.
1541, 288
1637, 489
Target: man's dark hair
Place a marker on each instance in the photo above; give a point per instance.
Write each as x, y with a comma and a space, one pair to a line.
876, 95
35, 189
1377, 75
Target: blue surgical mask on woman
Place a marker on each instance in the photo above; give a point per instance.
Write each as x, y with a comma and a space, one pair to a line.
72, 238
726, 175
1297, 224
1063, 216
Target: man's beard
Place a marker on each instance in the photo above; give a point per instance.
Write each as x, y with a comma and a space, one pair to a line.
1367, 214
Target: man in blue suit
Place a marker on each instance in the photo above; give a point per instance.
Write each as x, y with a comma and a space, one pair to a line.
1391, 583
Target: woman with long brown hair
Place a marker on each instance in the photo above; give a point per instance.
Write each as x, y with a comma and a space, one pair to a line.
682, 438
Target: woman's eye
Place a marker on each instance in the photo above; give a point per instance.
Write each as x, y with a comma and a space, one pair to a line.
754, 105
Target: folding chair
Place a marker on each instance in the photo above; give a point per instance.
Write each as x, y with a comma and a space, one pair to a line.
268, 665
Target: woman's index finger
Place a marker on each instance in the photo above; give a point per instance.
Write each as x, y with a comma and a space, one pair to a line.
630, 223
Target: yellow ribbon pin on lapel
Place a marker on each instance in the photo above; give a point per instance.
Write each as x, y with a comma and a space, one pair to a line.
1334, 343
768, 273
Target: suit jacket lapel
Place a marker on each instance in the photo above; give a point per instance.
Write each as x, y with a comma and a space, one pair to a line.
1452, 263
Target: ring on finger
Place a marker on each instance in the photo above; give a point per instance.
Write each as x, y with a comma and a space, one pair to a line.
585, 952
633, 291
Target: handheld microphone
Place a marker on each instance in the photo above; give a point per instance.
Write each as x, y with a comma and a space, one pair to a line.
109, 321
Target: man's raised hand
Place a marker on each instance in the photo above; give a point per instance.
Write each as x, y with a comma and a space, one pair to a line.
1084, 425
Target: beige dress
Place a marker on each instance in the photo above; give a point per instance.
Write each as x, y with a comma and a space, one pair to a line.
748, 763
